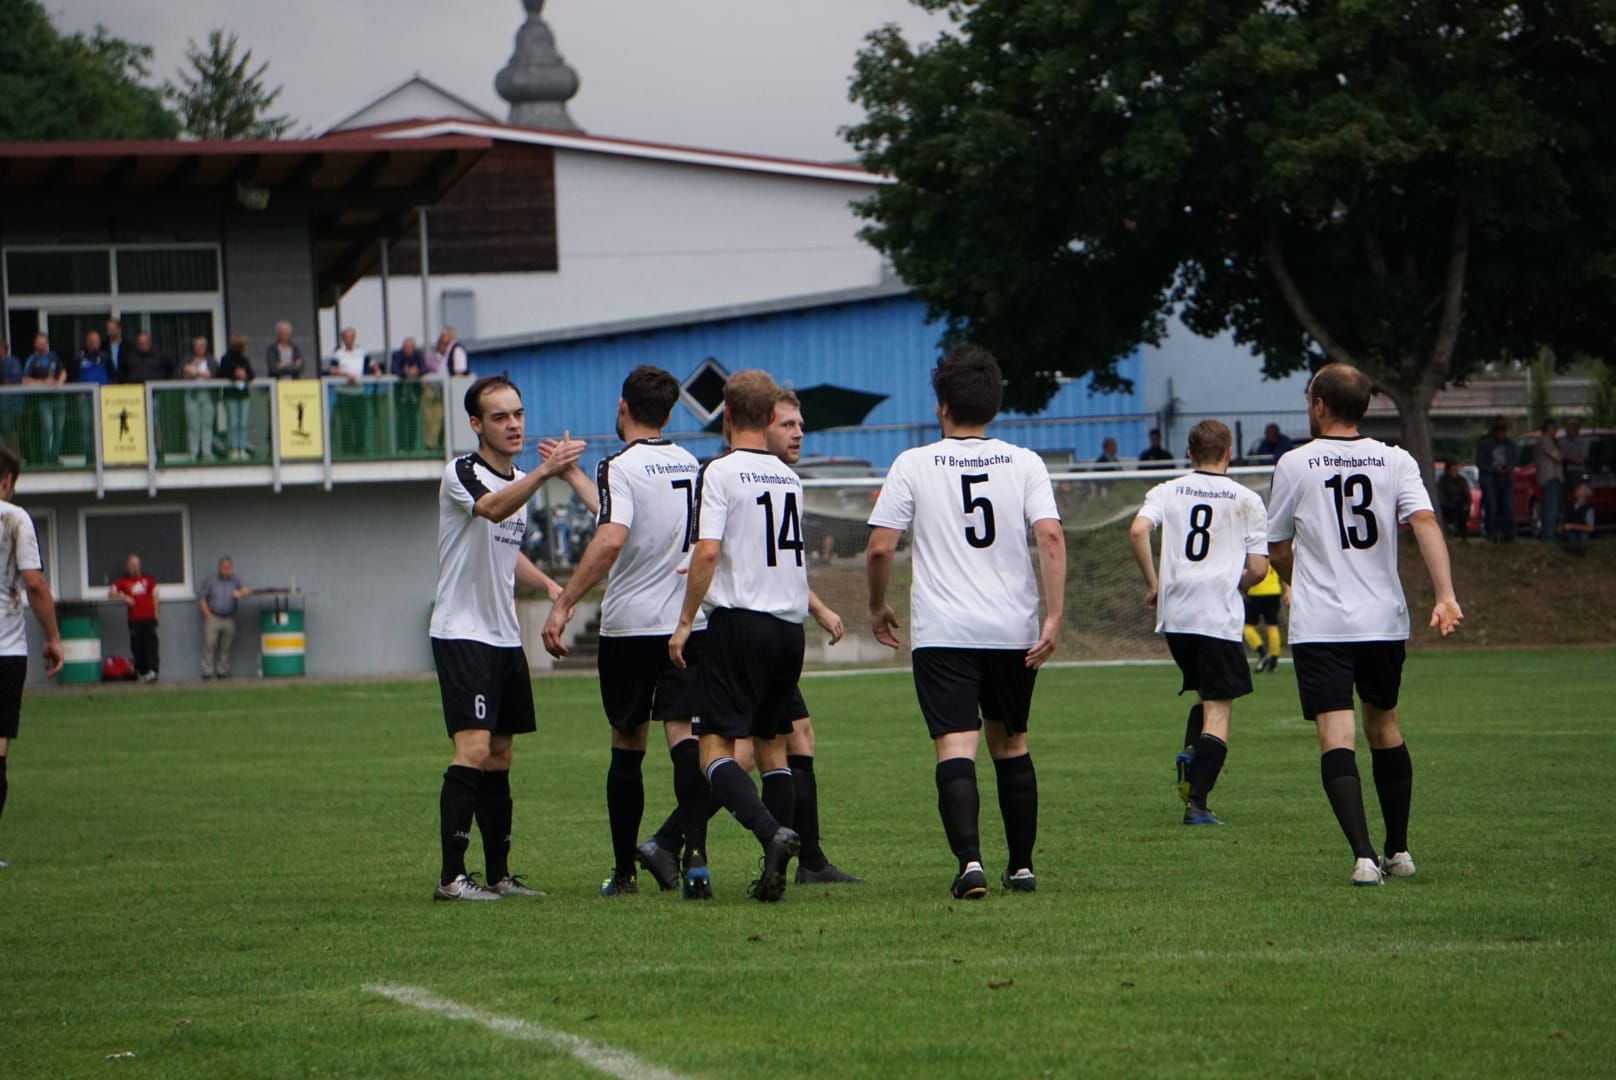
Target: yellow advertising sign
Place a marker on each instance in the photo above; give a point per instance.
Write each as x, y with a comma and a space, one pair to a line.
302, 434
123, 425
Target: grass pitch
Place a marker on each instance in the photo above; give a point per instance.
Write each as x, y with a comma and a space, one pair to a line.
209, 880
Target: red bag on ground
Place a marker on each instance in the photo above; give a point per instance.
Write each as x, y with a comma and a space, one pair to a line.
117, 669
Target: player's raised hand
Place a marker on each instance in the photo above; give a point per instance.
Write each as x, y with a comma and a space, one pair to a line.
557, 456
554, 627
676, 646
1446, 617
884, 625
1044, 647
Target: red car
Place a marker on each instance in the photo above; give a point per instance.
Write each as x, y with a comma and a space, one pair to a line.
1600, 469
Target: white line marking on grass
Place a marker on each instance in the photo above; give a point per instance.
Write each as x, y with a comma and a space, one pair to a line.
606, 1059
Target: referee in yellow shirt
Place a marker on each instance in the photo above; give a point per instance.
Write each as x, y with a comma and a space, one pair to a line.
1262, 607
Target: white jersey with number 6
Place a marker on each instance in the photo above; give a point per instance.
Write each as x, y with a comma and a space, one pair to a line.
751, 502
19, 551
476, 596
1209, 524
1341, 501
969, 502
649, 488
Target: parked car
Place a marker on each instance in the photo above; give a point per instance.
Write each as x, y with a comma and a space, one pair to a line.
1600, 470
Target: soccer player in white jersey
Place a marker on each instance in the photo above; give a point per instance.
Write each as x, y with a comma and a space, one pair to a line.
1214, 547
645, 498
977, 639
23, 577
748, 572
476, 641
1332, 534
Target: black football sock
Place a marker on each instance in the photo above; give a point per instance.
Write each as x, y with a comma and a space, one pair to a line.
670, 835
780, 795
733, 790
805, 820
4, 785
1209, 754
695, 800
1394, 783
494, 822
625, 805
457, 805
1339, 771
958, 804
1192, 726
1018, 805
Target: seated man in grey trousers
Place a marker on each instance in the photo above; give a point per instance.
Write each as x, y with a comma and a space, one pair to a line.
217, 598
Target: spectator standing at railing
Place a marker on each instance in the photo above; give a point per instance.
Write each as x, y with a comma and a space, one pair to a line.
94, 365
407, 395
1274, 442
1108, 453
283, 360
455, 360
432, 400
138, 592
199, 404
236, 369
140, 363
115, 348
349, 416
11, 405
217, 598
45, 368
1155, 451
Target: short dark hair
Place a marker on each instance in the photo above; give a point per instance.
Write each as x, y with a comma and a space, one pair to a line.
475, 392
1155, 432
968, 381
1209, 440
649, 392
749, 399
789, 398
10, 463
1344, 390
1548, 422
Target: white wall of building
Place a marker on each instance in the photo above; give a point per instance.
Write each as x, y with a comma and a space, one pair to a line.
642, 237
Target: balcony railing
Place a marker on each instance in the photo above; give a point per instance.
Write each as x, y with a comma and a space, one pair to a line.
159, 426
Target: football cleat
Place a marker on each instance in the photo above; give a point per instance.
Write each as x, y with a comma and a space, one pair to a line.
1196, 813
619, 885
771, 883
825, 875
1181, 766
972, 883
514, 885
1022, 880
1269, 663
4, 865
697, 883
1366, 872
464, 887
660, 863
1398, 865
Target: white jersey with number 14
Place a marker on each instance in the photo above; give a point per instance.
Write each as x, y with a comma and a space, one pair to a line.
968, 502
751, 502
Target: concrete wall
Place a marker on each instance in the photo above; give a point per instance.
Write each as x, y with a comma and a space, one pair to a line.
365, 556
268, 276
640, 238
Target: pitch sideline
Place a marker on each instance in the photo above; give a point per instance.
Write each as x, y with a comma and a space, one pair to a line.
598, 1056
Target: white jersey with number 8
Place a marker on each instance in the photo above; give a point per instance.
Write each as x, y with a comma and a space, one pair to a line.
968, 502
1341, 500
1209, 524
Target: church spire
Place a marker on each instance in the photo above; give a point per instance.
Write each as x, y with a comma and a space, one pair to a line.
537, 82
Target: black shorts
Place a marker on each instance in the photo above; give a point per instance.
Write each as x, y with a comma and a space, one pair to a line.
638, 683
13, 672
1262, 609
796, 708
748, 674
484, 687
960, 688
1328, 671
1214, 669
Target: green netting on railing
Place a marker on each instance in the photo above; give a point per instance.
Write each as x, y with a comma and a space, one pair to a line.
212, 424
52, 429
385, 421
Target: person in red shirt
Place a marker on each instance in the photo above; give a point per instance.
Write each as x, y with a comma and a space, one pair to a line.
139, 592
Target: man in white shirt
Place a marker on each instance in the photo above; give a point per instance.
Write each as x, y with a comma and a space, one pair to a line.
977, 639
476, 640
645, 498
1214, 547
24, 577
1332, 535
749, 574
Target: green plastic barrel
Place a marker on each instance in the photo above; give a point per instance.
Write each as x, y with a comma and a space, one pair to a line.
282, 641
81, 649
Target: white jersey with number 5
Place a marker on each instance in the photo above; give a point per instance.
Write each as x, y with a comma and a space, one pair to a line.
1341, 500
1209, 524
968, 502
751, 502
649, 488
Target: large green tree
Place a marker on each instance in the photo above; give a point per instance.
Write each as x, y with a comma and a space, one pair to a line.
73, 87
1412, 186
222, 96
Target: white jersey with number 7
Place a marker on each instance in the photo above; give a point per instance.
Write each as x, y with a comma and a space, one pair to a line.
968, 502
1341, 500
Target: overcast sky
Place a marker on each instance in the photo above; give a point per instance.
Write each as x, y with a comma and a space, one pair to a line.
765, 76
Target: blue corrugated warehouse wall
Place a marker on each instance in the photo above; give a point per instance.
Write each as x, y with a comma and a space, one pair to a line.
883, 346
